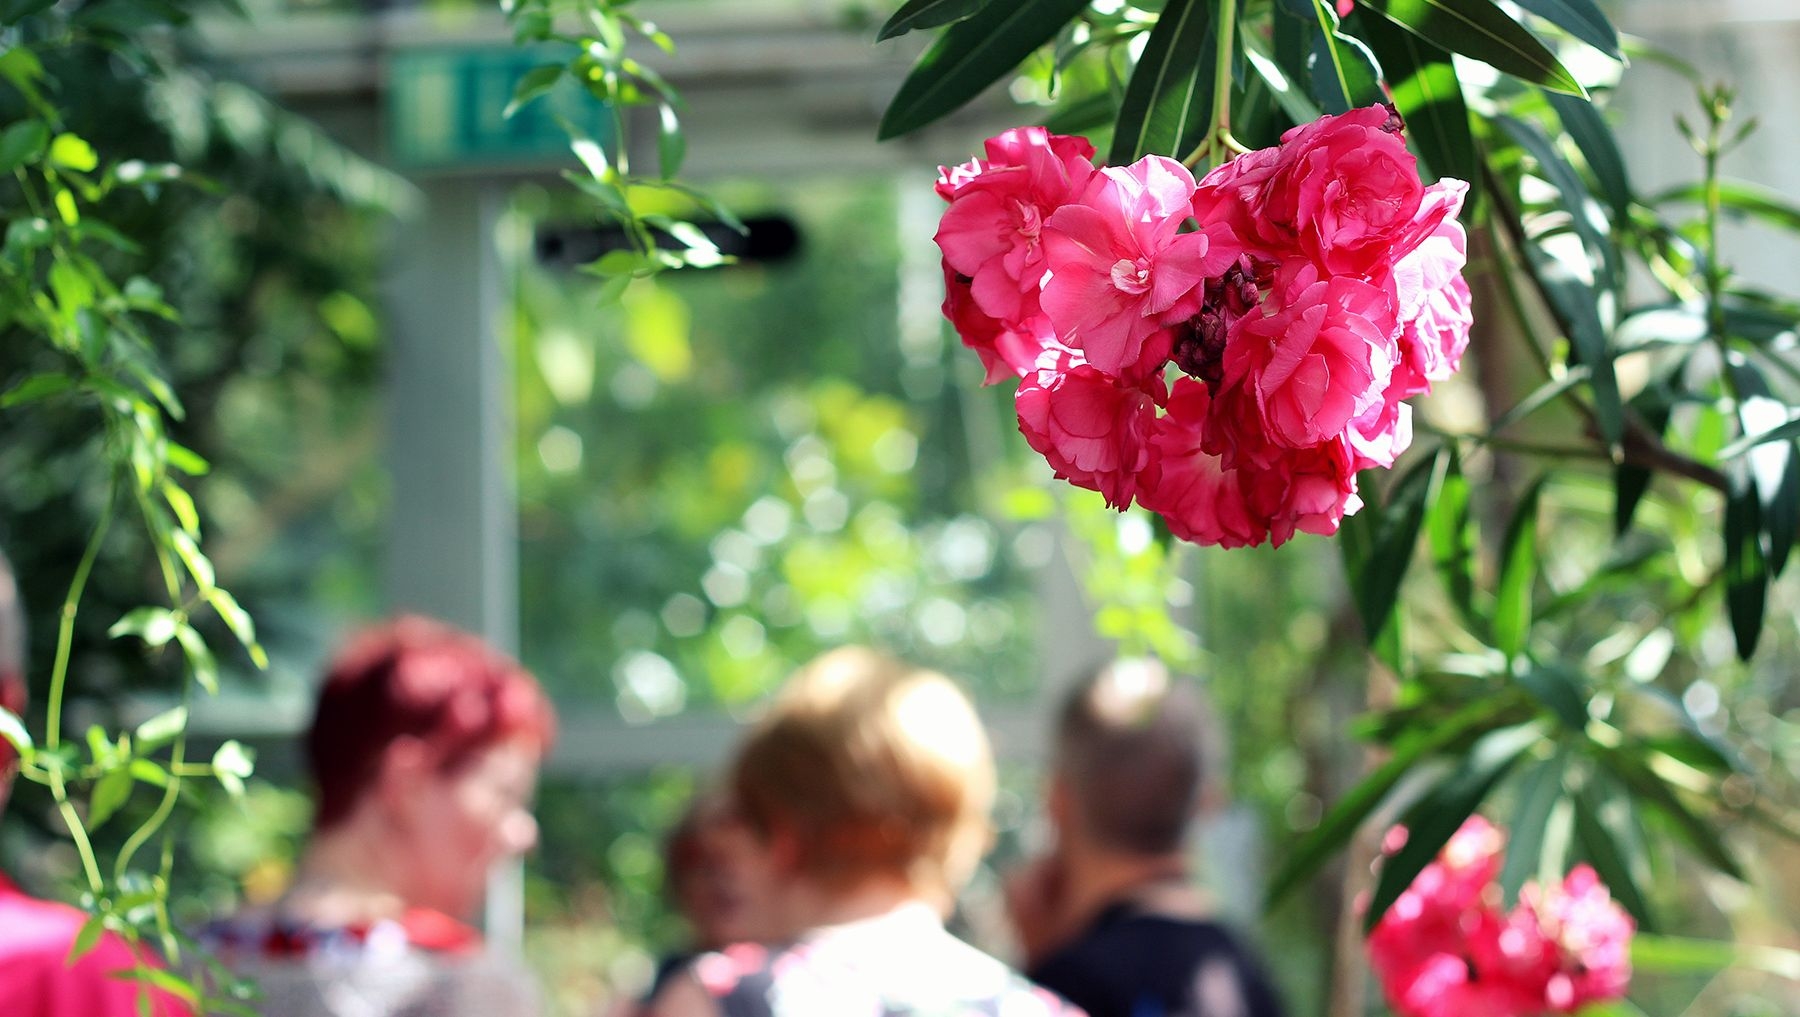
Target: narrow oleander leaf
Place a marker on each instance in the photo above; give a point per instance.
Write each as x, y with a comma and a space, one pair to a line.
1377, 571
1559, 691
671, 143
1655, 794
1608, 859
1588, 129
1481, 31
1578, 304
1576, 199
1772, 464
1450, 532
1342, 74
916, 15
1752, 200
1783, 432
1581, 19
1631, 483
1746, 568
971, 55
1435, 817
1340, 823
1518, 573
38, 386
1680, 955
1429, 97
1540, 789
1169, 97
1286, 91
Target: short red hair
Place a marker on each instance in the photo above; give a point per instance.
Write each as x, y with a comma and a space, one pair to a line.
413, 677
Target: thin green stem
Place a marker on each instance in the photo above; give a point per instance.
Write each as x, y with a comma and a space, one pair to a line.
59, 679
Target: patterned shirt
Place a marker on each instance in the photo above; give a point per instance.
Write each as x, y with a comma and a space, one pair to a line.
899, 964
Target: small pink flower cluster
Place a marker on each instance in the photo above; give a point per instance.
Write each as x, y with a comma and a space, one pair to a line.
1301, 292
1445, 949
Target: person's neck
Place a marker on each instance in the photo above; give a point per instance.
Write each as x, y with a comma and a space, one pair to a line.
812, 906
343, 879
1098, 878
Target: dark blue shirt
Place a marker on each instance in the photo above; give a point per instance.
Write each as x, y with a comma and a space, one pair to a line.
1135, 963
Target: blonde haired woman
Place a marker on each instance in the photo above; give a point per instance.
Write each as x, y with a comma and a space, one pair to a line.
867, 788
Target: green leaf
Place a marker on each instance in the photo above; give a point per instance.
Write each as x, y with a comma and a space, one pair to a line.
535, 82
1680, 955
162, 728
86, 938
1450, 533
1168, 101
154, 625
971, 55
1748, 199
1772, 464
200, 658
1655, 794
1481, 31
1341, 822
1746, 569
1539, 790
1576, 199
1084, 115
1341, 72
22, 144
110, 793
1429, 97
1375, 576
671, 144
1518, 573
922, 14
38, 386
12, 729
1603, 853
238, 620
1588, 129
1581, 19
232, 764
1559, 691
1435, 817
1631, 483
1298, 107
1577, 304
70, 152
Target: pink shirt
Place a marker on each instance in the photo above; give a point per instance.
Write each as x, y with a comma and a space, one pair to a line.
35, 977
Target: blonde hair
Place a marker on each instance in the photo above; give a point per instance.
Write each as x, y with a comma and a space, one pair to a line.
875, 767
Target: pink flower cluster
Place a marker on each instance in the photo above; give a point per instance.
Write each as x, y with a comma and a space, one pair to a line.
1228, 352
1445, 948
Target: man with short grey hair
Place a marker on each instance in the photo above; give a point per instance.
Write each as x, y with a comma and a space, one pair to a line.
1110, 917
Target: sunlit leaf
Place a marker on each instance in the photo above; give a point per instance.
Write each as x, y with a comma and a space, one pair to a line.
1168, 102
1581, 19
154, 625
1518, 574
916, 15
1604, 853
971, 55
162, 728
535, 82
1481, 31
1746, 567
110, 793
1539, 790
1429, 97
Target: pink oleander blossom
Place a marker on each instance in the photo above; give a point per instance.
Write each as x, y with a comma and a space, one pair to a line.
1122, 270
1094, 429
1447, 949
1194, 493
991, 233
1591, 935
1318, 358
1006, 350
1433, 301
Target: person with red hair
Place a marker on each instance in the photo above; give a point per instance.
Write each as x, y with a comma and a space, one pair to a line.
36, 978
424, 753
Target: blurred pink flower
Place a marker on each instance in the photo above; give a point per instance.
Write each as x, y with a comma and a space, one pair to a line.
1591, 934
1122, 271
1094, 429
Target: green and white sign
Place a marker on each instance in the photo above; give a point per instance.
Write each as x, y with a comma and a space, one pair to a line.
446, 109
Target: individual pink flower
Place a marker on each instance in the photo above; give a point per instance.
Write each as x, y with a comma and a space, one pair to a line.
1318, 358
991, 233
1007, 350
1591, 935
1094, 429
1196, 495
1303, 490
1341, 190
1385, 430
1122, 270
1432, 298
